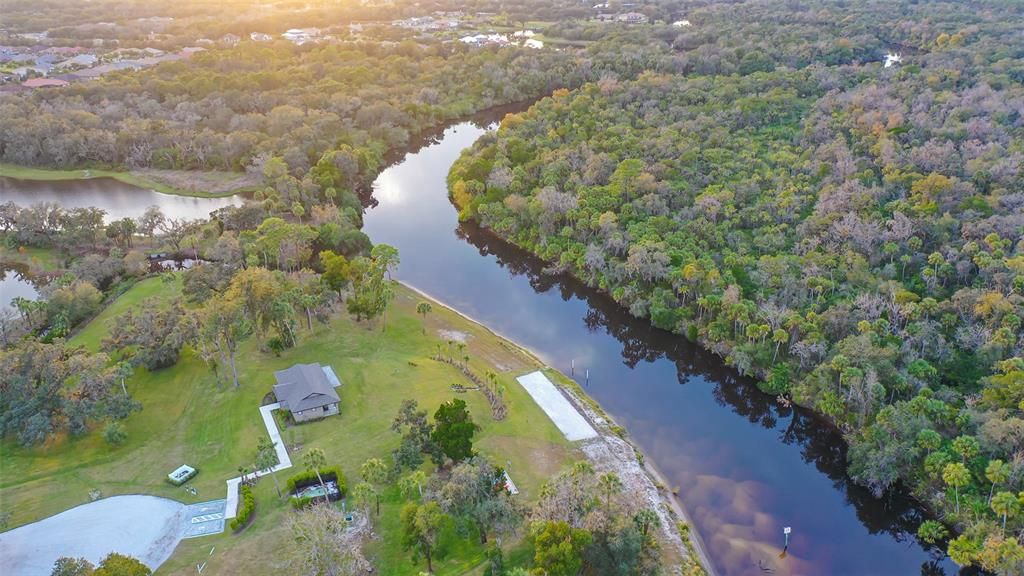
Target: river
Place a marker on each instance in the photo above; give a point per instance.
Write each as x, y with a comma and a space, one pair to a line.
745, 466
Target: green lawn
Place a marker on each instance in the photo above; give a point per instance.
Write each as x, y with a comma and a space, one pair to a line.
38, 260
158, 288
188, 418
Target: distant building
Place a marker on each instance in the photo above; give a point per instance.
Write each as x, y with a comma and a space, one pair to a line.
632, 18
300, 36
260, 37
531, 43
229, 39
23, 72
80, 61
484, 39
892, 59
681, 23
44, 83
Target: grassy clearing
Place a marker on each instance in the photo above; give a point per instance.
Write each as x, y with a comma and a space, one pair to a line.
178, 182
162, 288
38, 260
187, 418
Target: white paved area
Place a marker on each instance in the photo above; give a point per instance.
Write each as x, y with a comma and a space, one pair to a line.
146, 527
205, 518
562, 413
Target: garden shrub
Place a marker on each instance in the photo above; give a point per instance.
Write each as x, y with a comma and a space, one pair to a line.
246, 509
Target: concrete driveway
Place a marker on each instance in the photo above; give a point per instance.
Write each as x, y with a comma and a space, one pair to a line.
146, 527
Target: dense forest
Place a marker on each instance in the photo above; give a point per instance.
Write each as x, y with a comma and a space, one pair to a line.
847, 231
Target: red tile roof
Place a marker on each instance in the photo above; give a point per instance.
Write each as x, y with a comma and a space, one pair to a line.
43, 83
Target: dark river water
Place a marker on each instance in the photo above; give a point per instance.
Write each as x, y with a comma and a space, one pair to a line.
115, 197
745, 466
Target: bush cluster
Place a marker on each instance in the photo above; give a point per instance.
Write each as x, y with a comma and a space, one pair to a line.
248, 506
308, 478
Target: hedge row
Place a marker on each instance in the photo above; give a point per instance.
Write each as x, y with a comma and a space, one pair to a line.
308, 478
245, 512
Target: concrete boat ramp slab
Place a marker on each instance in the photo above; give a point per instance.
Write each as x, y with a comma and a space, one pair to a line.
557, 407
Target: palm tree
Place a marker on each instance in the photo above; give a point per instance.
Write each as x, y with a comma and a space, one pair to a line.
1005, 504
266, 459
314, 461
610, 484
415, 481
375, 472
424, 308
956, 475
363, 494
997, 472
780, 337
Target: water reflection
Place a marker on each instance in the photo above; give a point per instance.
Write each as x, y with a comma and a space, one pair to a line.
118, 199
15, 283
745, 465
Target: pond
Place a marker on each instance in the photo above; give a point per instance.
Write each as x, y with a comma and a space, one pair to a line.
745, 465
15, 283
317, 491
113, 196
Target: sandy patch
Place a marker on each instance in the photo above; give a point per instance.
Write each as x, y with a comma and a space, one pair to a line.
454, 335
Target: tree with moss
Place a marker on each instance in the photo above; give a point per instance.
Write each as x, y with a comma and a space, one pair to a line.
421, 528
558, 548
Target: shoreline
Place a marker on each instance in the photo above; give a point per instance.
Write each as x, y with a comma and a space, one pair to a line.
27, 173
579, 396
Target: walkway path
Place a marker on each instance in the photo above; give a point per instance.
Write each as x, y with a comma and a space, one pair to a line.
283, 460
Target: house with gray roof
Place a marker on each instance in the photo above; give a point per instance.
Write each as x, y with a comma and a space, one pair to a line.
307, 391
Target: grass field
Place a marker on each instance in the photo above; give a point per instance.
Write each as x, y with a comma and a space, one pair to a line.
162, 288
188, 418
159, 180
38, 260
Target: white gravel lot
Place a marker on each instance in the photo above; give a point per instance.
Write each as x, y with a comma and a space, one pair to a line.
145, 527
